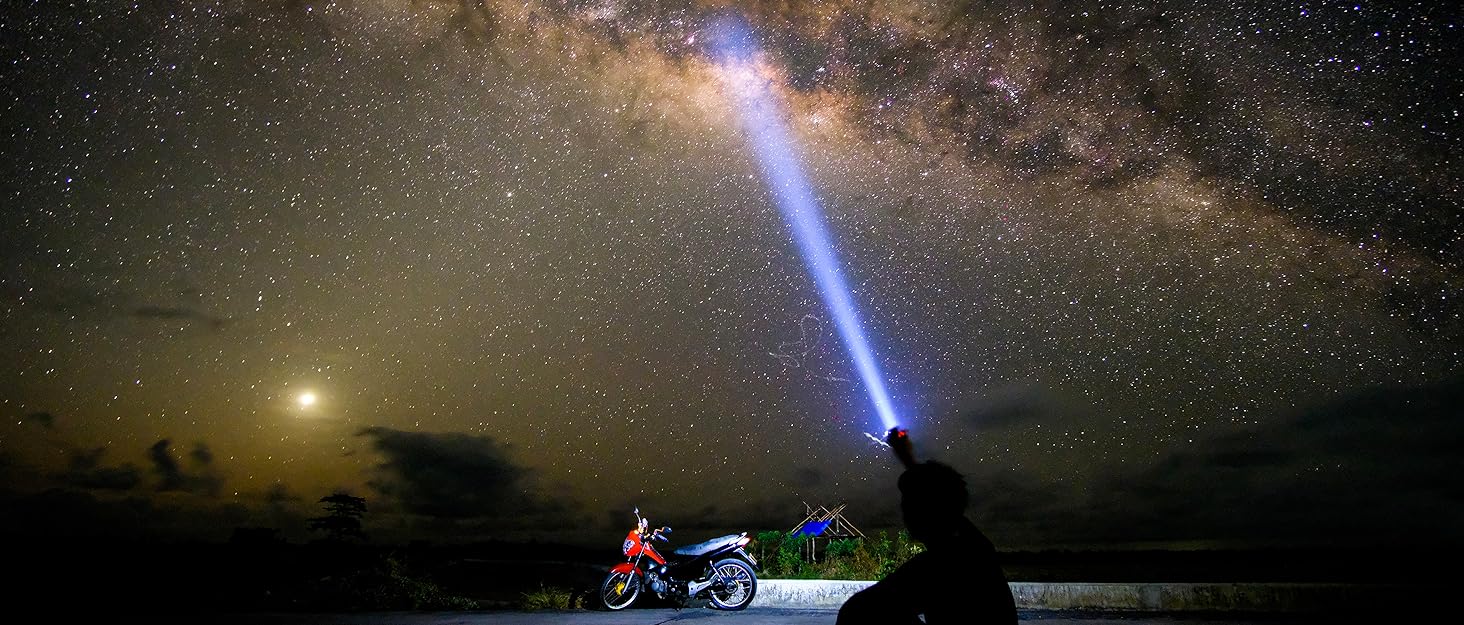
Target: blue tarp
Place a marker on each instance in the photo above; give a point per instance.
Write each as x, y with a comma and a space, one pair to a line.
813, 528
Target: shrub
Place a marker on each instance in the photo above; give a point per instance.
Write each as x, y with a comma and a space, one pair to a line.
842, 548
549, 598
789, 559
869, 558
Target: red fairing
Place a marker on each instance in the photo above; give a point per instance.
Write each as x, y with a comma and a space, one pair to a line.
623, 567
650, 551
634, 546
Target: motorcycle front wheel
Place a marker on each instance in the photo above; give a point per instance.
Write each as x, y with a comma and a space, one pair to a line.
619, 590
738, 585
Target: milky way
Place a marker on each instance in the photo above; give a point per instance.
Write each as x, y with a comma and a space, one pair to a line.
1169, 273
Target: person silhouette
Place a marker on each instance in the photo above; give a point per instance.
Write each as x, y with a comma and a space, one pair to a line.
957, 579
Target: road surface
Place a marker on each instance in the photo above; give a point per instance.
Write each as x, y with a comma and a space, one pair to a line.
751, 616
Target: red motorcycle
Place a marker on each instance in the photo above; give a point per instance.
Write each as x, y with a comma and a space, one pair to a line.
718, 570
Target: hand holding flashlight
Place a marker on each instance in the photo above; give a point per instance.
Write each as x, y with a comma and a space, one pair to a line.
899, 440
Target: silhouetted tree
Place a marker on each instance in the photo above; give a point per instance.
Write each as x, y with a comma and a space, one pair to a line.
342, 522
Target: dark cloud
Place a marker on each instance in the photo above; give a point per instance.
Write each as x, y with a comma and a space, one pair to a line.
86, 471
88, 497
201, 454
77, 303
1018, 509
1372, 468
1376, 467
45, 419
454, 477
807, 477
171, 475
278, 493
1019, 405
163, 312
178, 313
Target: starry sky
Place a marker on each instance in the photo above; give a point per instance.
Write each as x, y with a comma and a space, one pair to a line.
1165, 273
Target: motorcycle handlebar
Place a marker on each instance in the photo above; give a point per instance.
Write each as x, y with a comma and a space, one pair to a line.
644, 523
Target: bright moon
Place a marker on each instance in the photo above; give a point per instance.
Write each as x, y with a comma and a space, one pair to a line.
307, 399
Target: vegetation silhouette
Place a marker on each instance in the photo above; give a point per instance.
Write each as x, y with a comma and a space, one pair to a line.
342, 523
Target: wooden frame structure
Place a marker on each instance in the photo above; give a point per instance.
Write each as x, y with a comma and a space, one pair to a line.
825, 523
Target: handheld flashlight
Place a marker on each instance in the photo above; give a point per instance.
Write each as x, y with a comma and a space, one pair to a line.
899, 441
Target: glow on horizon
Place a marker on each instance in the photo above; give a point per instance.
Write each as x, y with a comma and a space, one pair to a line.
771, 143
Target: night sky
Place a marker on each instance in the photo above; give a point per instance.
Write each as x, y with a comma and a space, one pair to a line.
1177, 274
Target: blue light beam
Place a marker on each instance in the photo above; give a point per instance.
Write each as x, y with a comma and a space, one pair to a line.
762, 120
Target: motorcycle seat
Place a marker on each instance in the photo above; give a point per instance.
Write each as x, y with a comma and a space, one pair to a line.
714, 544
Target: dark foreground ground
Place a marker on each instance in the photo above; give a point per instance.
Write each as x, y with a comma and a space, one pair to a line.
459, 583
751, 616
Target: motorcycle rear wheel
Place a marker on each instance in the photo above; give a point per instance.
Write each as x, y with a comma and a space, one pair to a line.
743, 586
619, 590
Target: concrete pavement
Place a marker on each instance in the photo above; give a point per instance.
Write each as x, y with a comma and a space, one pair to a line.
816, 602
751, 616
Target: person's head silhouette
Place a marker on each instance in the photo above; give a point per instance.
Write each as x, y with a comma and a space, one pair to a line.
933, 501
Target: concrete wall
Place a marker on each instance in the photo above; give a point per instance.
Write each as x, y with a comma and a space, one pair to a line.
1155, 597
1203, 597
805, 593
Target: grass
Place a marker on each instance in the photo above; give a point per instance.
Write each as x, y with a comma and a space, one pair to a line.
550, 598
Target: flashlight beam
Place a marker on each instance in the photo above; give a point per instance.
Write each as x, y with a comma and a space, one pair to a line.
771, 144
